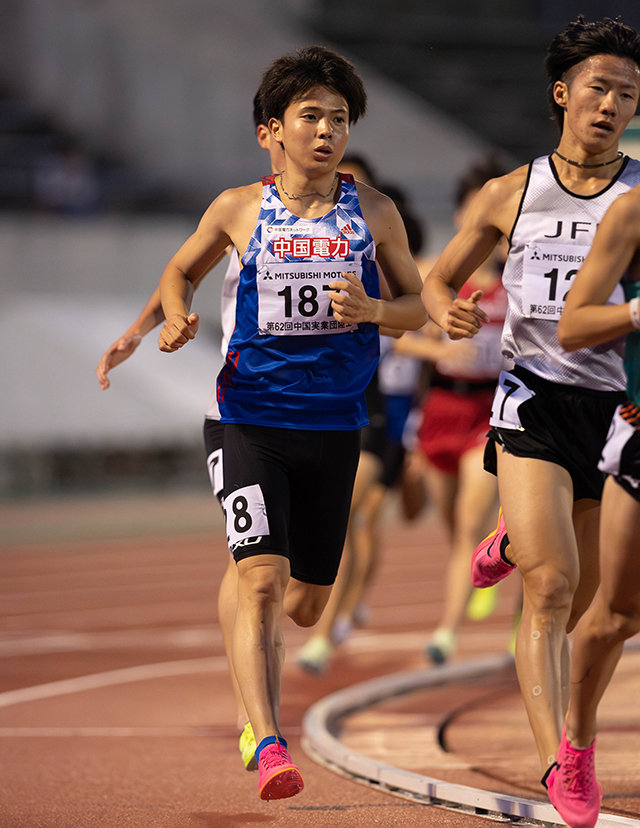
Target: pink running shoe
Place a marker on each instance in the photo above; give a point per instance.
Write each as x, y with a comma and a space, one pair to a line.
488, 567
279, 777
572, 786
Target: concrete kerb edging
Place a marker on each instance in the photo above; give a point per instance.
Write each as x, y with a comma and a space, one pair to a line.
320, 720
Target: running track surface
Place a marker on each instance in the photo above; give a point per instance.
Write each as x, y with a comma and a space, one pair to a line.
116, 711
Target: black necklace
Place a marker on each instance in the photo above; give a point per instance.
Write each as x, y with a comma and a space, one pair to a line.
581, 164
306, 195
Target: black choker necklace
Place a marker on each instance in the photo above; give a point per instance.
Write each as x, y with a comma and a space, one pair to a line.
581, 164
314, 192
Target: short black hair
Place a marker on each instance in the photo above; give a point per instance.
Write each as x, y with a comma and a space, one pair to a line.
258, 112
291, 76
580, 40
357, 160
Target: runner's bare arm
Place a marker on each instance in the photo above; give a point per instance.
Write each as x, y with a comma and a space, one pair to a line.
123, 347
385, 293
430, 344
586, 319
490, 216
221, 225
403, 310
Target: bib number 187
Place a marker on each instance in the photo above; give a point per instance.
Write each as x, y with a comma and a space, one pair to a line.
307, 304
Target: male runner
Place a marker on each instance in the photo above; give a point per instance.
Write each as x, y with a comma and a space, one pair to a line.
551, 413
304, 347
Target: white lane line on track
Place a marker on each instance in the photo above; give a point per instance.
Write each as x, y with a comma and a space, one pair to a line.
66, 732
145, 672
142, 672
70, 641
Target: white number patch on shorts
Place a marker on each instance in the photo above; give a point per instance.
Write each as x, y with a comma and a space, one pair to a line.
246, 516
214, 466
510, 393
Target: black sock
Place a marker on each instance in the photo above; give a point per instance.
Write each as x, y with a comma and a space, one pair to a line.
503, 545
543, 781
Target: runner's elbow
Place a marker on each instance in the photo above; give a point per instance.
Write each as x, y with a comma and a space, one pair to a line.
567, 338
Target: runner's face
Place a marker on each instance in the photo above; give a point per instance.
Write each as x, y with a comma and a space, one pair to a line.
600, 96
314, 130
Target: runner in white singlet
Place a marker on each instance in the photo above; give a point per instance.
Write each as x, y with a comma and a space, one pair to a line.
551, 412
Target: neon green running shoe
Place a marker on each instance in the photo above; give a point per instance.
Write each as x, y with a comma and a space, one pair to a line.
313, 657
482, 603
514, 633
441, 646
247, 746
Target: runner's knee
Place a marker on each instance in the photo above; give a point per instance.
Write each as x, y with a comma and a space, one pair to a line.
623, 623
304, 607
548, 588
261, 585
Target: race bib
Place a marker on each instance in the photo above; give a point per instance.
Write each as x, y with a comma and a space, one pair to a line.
214, 467
293, 298
510, 394
246, 516
548, 270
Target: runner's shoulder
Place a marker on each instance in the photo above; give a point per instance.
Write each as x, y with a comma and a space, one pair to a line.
506, 187
234, 202
498, 200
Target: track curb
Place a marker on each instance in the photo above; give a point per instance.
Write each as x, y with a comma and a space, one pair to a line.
321, 720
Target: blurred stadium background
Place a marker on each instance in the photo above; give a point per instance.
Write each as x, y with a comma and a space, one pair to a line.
120, 121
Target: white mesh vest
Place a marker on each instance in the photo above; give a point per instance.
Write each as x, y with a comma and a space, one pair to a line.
227, 319
552, 235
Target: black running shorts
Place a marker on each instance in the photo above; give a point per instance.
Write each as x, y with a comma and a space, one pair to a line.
288, 492
558, 423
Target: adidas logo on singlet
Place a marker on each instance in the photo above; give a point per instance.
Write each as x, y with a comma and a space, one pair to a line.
347, 230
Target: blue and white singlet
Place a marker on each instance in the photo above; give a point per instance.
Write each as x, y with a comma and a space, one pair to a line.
289, 363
